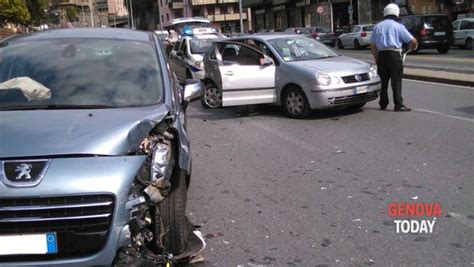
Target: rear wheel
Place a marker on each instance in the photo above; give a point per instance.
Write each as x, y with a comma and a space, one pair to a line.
339, 44
443, 49
173, 215
212, 97
295, 103
468, 45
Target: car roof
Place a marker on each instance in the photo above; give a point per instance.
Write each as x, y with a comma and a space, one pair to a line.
464, 19
266, 36
99, 33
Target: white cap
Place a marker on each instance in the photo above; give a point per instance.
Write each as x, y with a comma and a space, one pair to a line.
391, 9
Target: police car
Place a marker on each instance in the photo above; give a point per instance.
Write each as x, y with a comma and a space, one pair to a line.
188, 52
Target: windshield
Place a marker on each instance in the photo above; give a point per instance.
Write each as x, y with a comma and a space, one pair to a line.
437, 22
200, 46
368, 28
322, 30
79, 72
301, 48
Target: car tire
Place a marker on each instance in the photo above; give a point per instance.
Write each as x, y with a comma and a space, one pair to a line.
443, 49
332, 44
339, 44
295, 103
172, 210
212, 97
468, 45
357, 45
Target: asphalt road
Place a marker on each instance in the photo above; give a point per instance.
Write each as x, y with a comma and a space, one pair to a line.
456, 60
269, 190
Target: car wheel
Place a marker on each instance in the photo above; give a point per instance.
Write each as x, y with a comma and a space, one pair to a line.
468, 45
295, 103
356, 44
339, 44
172, 210
212, 97
443, 49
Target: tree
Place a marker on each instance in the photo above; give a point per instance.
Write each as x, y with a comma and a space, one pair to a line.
13, 11
36, 9
71, 14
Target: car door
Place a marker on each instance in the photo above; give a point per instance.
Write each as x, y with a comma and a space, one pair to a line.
247, 75
466, 29
182, 56
346, 40
174, 60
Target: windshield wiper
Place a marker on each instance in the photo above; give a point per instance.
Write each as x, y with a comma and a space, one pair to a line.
54, 106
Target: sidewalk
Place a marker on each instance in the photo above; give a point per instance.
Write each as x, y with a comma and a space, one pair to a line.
465, 79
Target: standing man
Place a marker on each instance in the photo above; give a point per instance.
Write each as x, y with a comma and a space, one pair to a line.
387, 40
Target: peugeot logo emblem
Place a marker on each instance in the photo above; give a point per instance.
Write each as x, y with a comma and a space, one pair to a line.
358, 77
23, 173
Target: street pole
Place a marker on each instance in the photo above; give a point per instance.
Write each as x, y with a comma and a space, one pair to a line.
332, 20
92, 15
241, 17
83, 17
131, 14
159, 16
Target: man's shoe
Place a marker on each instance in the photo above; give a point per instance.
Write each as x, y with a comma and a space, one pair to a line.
402, 108
383, 107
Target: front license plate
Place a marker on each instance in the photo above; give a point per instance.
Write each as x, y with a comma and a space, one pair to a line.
361, 89
439, 33
28, 244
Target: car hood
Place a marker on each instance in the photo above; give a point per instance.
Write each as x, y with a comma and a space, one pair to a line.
37, 133
339, 64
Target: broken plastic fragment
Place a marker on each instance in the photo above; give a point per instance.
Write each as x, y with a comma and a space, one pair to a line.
414, 198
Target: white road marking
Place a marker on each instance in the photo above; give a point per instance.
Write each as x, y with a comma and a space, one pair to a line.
444, 114
441, 84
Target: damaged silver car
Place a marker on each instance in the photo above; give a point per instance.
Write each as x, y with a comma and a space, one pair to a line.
94, 153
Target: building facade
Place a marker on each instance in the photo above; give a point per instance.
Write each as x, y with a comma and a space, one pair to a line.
223, 14
171, 9
82, 9
335, 14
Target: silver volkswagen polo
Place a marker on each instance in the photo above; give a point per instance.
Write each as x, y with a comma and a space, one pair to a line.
94, 154
296, 72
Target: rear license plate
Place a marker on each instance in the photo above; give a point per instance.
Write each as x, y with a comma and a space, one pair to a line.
361, 89
28, 244
439, 33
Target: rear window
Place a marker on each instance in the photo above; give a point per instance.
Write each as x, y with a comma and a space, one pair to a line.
368, 28
437, 22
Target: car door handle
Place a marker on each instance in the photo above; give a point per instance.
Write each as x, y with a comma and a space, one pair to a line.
229, 73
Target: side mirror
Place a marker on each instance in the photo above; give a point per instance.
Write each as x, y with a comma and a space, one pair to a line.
267, 61
192, 91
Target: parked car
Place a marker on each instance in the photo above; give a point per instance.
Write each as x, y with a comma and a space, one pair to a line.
358, 37
187, 54
296, 72
324, 35
464, 32
431, 31
94, 157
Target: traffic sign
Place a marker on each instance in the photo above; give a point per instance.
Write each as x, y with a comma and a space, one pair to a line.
320, 9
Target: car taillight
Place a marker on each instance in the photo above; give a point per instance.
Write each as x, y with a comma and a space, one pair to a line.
315, 35
423, 32
363, 34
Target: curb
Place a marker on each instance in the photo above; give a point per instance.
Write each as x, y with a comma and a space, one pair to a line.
439, 80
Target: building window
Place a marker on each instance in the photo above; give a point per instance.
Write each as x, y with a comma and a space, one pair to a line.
217, 11
162, 18
230, 10
167, 16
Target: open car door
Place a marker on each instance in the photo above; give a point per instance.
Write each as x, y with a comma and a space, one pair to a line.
247, 75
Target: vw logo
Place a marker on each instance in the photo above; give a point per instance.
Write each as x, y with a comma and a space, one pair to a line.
23, 173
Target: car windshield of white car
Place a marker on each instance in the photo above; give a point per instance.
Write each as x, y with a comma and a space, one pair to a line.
79, 72
300, 49
368, 28
200, 46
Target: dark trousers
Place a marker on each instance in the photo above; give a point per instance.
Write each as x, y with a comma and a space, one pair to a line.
390, 68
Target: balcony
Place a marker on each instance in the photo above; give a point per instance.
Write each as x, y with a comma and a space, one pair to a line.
225, 17
227, 1
203, 2
176, 5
